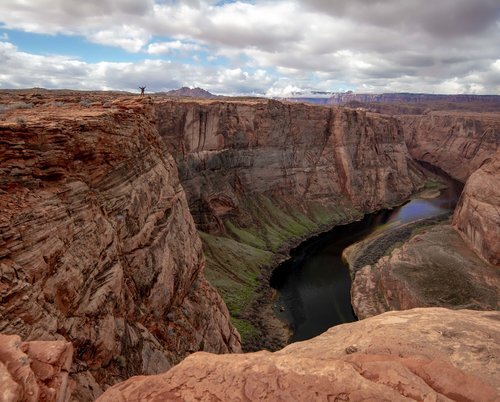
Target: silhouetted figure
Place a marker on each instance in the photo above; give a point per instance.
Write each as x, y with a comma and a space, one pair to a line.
142, 90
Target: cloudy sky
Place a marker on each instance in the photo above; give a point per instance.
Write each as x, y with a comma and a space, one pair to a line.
252, 47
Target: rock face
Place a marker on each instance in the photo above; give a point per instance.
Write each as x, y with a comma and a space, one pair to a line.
97, 245
433, 268
477, 216
34, 371
458, 143
421, 354
294, 154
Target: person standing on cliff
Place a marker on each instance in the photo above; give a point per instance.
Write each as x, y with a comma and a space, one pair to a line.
142, 90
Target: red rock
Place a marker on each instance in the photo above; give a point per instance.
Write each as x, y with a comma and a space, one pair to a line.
299, 156
477, 216
432, 268
34, 371
420, 354
97, 245
457, 142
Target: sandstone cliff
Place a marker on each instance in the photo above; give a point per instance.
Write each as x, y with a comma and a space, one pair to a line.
231, 151
97, 245
261, 174
456, 142
422, 354
477, 216
437, 267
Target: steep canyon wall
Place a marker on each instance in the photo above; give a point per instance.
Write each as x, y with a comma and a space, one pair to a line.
477, 216
456, 142
97, 244
454, 264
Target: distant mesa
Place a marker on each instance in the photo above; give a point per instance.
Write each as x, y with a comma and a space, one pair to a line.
190, 92
350, 98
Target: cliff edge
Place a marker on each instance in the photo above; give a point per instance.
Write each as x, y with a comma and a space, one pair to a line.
421, 354
97, 244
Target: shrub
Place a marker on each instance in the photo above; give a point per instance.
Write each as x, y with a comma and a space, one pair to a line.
21, 121
85, 103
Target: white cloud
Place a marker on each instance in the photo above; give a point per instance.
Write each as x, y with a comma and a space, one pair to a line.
325, 44
25, 70
168, 47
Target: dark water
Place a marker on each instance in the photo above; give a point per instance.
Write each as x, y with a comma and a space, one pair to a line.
314, 284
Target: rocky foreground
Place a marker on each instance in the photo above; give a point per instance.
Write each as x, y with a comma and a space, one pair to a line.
421, 354
34, 371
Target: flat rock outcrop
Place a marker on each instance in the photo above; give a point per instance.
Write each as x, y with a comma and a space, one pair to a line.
97, 244
477, 216
433, 268
456, 142
429, 354
34, 371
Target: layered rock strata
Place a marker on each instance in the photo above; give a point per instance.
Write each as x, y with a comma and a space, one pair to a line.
456, 142
97, 244
477, 216
421, 354
228, 152
34, 371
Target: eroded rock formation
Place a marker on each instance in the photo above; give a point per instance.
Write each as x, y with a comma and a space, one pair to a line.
420, 354
34, 371
433, 268
228, 152
456, 142
97, 244
477, 216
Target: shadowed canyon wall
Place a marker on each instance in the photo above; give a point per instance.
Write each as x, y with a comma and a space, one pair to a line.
456, 142
97, 244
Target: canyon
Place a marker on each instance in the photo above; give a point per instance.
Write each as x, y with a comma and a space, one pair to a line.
260, 175
452, 264
115, 210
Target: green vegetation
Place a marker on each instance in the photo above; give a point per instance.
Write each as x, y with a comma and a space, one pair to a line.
233, 268
245, 328
235, 259
431, 184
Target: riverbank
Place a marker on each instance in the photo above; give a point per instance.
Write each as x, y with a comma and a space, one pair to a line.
314, 284
433, 268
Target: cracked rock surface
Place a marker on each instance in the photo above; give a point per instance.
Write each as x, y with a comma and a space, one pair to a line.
431, 354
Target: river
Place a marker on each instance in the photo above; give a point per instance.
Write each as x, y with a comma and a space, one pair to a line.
313, 286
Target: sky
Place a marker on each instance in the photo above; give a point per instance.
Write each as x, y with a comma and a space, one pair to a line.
252, 47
